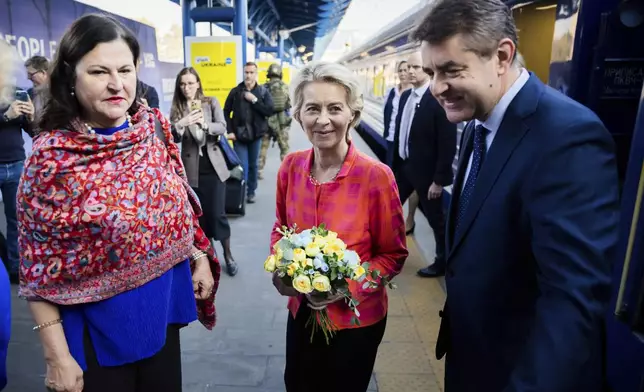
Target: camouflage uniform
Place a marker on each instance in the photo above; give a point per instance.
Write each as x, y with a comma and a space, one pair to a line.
279, 123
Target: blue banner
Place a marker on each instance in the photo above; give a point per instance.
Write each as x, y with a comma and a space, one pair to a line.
34, 27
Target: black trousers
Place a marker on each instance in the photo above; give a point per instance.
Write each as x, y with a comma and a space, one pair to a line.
432, 209
161, 372
212, 195
346, 364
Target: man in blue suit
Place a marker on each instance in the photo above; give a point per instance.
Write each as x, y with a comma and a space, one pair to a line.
532, 225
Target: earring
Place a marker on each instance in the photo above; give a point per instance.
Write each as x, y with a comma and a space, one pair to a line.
73, 93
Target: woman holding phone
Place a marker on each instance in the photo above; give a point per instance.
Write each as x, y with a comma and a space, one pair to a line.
198, 123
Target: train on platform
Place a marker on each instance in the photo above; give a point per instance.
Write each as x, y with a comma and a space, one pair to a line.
589, 50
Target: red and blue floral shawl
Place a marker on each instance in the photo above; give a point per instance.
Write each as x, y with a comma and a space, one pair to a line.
100, 215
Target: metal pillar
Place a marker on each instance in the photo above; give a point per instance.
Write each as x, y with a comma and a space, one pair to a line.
240, 24
280, 50
189, 28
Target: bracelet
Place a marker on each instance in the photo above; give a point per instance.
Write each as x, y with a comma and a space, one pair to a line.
47, 324
197, 255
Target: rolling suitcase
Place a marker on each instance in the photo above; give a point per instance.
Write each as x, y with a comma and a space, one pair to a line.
236, 193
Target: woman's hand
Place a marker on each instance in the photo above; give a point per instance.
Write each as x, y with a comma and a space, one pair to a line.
282, 288
64, 375
199, 120
202, 280
317, 303
191, 119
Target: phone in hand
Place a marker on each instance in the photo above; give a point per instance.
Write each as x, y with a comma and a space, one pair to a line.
22, 95
195, 105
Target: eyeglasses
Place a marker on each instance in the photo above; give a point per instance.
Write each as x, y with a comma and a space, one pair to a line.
30, 75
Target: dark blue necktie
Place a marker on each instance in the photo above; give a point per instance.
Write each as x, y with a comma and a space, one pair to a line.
478, 154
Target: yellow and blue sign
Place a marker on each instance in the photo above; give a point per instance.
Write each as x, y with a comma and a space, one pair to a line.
217, 60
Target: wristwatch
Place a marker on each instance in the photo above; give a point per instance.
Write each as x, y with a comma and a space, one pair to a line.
255, 100
5, 118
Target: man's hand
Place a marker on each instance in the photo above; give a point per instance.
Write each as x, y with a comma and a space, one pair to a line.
28, 110
249, 96
435, 191
18, 108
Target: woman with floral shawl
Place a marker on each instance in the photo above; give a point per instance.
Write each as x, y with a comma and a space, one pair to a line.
113, 260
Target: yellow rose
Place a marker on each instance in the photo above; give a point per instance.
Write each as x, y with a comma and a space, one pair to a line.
331, 235
334, 247
321, 283
292, 268
312, 249
329, 249
339, 243
319, 241
299, 255
308, 263
358, 272
302, 283
269, 264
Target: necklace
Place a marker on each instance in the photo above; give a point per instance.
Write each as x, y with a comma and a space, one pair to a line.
315, 182
91, 130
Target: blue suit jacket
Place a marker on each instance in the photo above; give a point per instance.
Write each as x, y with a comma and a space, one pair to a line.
528, 273
388, 111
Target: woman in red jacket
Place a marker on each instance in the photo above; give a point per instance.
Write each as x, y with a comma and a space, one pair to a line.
354, 195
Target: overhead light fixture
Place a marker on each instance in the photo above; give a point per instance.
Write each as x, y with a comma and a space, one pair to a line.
546, 7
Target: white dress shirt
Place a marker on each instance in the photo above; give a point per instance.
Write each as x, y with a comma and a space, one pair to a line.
493, 122
394, 113
408, 118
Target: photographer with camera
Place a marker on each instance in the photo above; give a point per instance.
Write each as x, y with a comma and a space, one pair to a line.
16, 116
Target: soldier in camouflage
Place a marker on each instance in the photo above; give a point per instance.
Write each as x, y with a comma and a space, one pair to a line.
280, 121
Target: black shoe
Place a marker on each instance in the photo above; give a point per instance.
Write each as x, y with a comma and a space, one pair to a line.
431, 272
250, 199
231, 267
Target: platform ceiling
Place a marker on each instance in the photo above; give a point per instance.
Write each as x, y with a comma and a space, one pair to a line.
305, 20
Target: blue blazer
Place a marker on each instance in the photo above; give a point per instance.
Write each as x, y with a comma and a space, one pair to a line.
388, 111
528, 273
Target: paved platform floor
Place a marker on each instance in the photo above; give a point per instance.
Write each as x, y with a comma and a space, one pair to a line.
245, 352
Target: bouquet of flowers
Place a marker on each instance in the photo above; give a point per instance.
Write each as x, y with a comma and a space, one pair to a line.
316, 262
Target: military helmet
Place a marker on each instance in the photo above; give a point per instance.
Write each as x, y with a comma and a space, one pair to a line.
274, 70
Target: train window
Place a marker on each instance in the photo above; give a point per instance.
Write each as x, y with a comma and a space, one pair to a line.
631, 13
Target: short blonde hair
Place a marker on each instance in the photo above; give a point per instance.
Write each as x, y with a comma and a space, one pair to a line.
326, 72
8, 63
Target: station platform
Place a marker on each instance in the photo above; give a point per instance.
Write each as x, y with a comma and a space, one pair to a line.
245, 352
